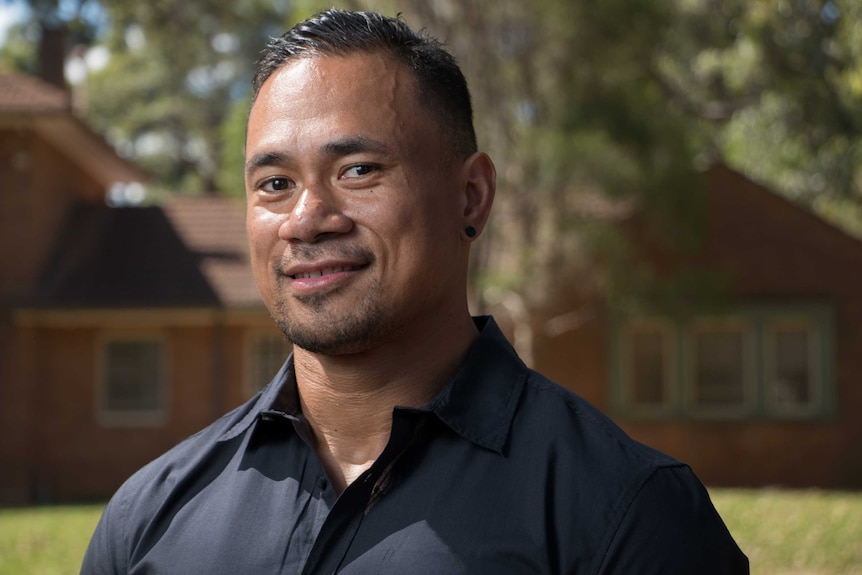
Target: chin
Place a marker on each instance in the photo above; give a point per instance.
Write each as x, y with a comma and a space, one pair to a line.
335, 330
332, 342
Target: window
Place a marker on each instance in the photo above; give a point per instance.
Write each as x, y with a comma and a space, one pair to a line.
132, 390
792, 357
267, 353
719, 366
762, 361
648, 357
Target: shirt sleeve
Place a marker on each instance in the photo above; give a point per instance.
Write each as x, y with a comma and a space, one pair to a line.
106, 554
671, 527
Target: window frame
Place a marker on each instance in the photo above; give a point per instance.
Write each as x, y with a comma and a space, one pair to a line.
749, 359
670, 360
759, 404
815, 361
112, 417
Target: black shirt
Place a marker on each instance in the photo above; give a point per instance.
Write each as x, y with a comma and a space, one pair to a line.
504, 472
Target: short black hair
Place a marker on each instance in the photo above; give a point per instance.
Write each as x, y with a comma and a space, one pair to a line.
441, 85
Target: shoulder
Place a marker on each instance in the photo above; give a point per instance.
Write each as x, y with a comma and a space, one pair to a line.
141, 495
629, 495
572, 423
579, 448
671, 526
148, 490
185, 457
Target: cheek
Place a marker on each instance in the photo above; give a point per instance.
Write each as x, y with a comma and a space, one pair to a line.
262, 229
262, 233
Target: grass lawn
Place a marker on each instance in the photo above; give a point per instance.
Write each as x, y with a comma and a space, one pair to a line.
782, 532
45, 540
795, 532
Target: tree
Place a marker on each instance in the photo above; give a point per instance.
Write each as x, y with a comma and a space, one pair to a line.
622, 103
782, 82
581, 131
184, 64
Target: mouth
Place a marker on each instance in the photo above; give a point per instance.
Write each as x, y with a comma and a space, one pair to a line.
324, 271
313, 269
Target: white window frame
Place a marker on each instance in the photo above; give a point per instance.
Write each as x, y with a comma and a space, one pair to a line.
132, 417
815, 363
251, 340
670, 360
749, 379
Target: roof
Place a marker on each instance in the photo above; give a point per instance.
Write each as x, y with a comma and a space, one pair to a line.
724, 179
22, 93
214, 227
29, 103
190, 252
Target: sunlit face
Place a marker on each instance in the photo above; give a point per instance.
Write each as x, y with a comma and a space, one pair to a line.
353, 204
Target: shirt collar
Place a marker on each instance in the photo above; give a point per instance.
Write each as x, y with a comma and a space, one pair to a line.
480, 401
478, 404
278, 398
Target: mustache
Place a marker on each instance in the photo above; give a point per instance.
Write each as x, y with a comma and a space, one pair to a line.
311, 253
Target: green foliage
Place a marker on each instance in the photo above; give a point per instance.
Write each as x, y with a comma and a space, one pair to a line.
232, 166
632, 99
18, 53
185, 64
783, 80
567, 99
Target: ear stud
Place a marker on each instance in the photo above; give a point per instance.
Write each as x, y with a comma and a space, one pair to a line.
470, 231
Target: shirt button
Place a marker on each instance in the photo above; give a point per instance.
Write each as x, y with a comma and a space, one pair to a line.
322, 483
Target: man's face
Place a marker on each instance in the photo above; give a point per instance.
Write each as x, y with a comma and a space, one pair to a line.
355, 207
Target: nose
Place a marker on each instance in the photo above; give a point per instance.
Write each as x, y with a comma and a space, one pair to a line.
317, 213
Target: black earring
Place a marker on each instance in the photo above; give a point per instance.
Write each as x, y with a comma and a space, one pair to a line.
470, 231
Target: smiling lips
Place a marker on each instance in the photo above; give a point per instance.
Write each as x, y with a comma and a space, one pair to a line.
315, 267
323, 272
309, 278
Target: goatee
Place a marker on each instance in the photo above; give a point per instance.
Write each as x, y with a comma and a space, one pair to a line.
332, 331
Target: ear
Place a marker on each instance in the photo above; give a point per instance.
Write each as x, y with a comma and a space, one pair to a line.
480, 185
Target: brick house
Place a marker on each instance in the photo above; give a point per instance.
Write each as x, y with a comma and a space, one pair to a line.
122, 329
762, 391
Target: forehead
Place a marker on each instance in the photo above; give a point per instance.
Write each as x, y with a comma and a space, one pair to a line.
336, 73
354, 93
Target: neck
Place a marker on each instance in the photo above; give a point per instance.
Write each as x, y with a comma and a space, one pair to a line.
348, 399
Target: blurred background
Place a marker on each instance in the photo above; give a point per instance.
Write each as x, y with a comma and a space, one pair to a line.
676, 235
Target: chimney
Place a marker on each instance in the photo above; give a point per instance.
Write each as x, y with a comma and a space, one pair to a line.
52, 54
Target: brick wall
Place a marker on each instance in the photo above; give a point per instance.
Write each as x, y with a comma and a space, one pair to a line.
38, 184
61, 450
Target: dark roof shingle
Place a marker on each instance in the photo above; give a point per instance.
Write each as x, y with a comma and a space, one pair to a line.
189, 253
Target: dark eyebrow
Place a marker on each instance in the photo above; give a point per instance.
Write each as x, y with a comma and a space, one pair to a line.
335, 148
264, 159
355, 145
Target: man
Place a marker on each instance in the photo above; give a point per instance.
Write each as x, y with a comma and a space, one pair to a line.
402, 436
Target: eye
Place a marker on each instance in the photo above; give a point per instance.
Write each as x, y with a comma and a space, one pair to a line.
275, 185
358, 171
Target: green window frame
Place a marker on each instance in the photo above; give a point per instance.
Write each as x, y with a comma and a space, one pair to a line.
755, 362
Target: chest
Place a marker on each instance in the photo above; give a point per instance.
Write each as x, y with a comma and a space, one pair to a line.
436, 509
